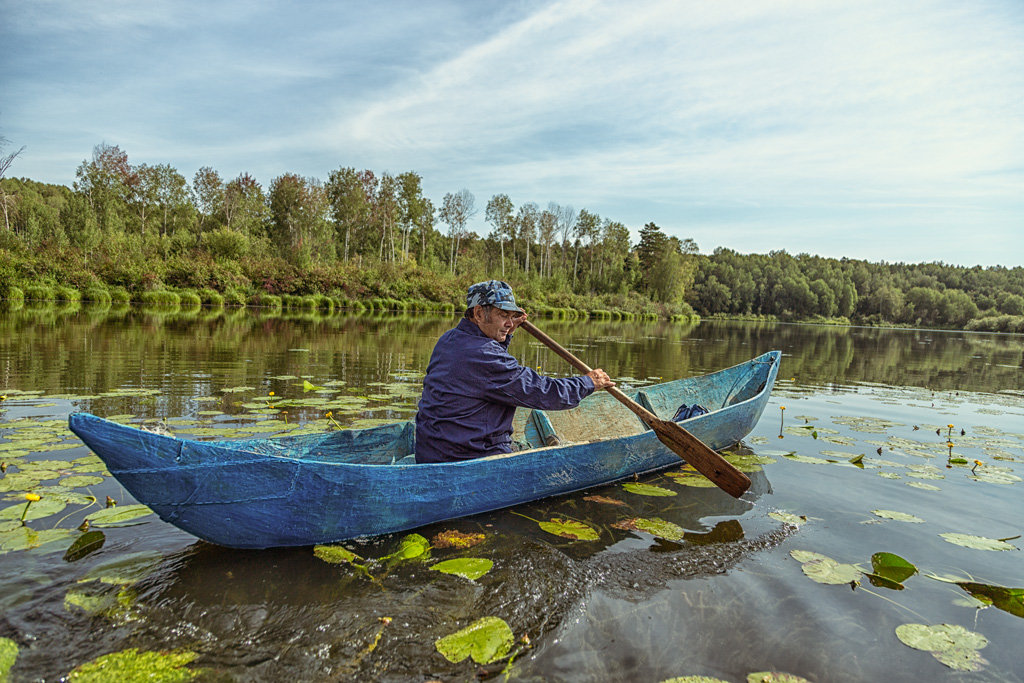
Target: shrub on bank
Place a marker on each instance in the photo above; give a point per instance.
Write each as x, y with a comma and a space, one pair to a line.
65, 293
40, 292
233, 297
190, 299
120, 296
14, 297
323, 303
265, 300
97, 295
211, 298
160, 297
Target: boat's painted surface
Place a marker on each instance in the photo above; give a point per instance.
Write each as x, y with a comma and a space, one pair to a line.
311, 489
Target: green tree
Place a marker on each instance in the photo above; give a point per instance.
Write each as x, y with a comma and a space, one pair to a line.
499, 214
210, 196
456, 210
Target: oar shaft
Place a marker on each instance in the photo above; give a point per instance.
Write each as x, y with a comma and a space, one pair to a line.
566, 355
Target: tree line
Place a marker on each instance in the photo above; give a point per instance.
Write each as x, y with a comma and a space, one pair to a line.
363, 234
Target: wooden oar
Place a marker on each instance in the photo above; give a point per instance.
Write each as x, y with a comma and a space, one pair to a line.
678, 440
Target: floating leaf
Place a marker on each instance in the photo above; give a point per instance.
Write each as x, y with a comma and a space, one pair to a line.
898, 516
456, 539
1007, 599
939, 637
76, 481
788, 518
774, 677
411, 547
807, 459
654, 526
88, 542
568, 528
806, 555
977, 542
923, 486
830, 572
23, 538
693, 679
335, 554
309, 386
117, 515
961, 659
132, 665
36, 510
696, 480
648, 490
892, 567
485, 640
995, 477
603, 499
8, 655
471, 568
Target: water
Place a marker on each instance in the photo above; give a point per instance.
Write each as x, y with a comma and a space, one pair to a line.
726, 600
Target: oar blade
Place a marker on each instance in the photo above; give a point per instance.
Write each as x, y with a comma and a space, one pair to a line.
701, 457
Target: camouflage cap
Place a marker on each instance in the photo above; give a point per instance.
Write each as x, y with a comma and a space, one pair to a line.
492, 292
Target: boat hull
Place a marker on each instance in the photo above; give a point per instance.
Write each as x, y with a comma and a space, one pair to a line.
258, 493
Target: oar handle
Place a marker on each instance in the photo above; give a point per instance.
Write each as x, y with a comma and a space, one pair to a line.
640, 411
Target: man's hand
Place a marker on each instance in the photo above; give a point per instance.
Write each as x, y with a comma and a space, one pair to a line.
600, 379
519, 320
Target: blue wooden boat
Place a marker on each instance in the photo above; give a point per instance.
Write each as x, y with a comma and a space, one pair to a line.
321, 488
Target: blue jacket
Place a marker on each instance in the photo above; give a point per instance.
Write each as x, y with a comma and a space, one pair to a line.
471, 391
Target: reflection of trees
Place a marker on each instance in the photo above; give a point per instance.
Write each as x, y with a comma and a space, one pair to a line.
187, 355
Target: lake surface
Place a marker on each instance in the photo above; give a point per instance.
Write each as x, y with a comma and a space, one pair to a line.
732, 596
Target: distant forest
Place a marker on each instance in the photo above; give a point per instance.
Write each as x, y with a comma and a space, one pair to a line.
359, 235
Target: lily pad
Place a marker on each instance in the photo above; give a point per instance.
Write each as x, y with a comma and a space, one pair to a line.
648, 490
569, 528
471, 568
695, 480
8, 655
977, 542
829, 571
774, 677
892, 567
335, 554
939, 637
76, 481
24, 538
788, 518
133, 665
824, 569
114, 516
961, 659
88, 542
411, 547
604, 499
898, 516
654, 526
1007, 599
485, 640
807, 459
35, 510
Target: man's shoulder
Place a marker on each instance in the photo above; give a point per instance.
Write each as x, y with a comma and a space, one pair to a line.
469, 342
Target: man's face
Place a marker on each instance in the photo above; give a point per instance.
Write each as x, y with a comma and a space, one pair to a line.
494, 322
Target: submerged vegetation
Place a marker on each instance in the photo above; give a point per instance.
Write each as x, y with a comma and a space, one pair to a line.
143, 233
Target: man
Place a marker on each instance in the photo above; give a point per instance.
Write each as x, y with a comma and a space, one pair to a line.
473, 385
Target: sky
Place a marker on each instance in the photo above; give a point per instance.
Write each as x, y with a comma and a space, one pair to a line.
868, 129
